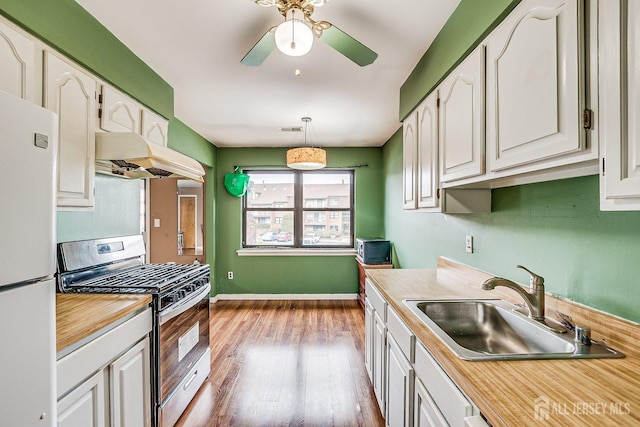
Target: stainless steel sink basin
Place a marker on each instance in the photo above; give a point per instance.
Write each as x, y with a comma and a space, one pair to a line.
493, 330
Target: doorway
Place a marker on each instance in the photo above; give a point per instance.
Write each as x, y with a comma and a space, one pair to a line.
176, 209
187, 205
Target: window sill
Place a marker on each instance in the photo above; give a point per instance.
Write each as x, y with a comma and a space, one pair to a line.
296, 252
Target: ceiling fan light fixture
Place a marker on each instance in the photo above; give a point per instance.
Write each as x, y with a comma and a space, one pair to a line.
294, 37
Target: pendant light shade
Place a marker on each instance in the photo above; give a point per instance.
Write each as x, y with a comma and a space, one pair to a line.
306, 158
293, 36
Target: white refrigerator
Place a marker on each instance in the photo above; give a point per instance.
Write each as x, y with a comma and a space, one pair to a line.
28, 151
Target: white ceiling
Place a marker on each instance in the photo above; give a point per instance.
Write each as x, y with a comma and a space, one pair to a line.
197, 45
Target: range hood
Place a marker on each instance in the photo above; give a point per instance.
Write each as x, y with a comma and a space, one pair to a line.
130, 155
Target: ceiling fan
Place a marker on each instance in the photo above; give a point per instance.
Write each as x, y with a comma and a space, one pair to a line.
295, 35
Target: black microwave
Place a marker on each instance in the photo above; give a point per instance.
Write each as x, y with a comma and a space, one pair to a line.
373, 250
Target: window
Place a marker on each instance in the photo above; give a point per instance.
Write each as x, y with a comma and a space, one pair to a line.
301, 209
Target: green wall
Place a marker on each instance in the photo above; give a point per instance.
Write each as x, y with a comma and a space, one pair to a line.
466, 28
183, 139
555, 228
293, 274
116, 213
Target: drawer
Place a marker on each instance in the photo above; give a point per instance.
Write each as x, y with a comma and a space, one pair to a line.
401, 333
453, 405
377, 301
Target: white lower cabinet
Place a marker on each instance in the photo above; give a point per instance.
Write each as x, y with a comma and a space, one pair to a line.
107, 381
409, 384
376, 341
400, 377
130, 382
425, 410
445, 395
368, 338
379, 342
84, 406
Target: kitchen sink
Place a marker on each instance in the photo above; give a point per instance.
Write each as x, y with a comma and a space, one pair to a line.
495, 330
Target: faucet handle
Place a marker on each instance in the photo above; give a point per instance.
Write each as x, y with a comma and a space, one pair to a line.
534, 280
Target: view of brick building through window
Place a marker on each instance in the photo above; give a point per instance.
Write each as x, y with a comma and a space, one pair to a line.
324, 202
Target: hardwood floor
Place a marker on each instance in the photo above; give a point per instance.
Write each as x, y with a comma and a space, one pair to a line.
285, 363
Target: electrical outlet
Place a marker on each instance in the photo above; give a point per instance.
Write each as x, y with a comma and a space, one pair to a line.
230, 275
469, 244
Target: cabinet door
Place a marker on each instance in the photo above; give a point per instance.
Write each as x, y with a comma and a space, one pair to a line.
379, 359
426, 412
427, 150
130, 382
118, 113
461, 132
72, 95
534, 84
84, 406
620, 105
18, 74
409, 161
444, 393
368, 338
155, 128
400, 378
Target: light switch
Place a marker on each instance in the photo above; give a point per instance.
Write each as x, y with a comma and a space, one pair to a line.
156, 222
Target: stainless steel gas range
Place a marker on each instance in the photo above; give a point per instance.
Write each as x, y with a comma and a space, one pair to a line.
180, 337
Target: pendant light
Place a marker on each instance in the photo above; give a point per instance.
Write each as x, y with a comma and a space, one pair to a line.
293, 36
306, 158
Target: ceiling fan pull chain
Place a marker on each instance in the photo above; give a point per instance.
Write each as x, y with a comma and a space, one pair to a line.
293, 29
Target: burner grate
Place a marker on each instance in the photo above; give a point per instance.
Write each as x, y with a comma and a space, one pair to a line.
145, 278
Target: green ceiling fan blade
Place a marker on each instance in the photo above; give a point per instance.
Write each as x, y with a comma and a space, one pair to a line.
261, 49
348, 46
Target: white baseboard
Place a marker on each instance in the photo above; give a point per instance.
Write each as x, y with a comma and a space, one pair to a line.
281, 297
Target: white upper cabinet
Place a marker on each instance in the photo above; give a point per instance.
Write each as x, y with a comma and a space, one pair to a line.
462, 139
534, 84
620, 105
118, 112
18, 65
427, 152
155, 128
71, 93
409, 144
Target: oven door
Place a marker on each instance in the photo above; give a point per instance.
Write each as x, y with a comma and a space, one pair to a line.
183, 339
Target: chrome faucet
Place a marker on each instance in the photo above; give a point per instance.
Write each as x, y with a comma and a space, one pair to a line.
533, 299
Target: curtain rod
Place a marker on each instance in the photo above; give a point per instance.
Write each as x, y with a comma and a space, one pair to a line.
364, 165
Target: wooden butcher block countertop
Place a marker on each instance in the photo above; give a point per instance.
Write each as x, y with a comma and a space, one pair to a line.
586, 392
80, 316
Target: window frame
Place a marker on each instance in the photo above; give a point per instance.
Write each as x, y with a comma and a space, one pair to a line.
299, 210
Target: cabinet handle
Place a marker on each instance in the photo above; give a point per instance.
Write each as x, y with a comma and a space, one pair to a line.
188, 383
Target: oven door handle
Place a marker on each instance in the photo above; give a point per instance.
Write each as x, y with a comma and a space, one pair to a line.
184, 305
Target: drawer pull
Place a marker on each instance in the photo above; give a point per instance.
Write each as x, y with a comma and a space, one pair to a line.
188, 383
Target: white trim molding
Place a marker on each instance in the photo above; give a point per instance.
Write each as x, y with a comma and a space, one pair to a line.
295, 252
281, 297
